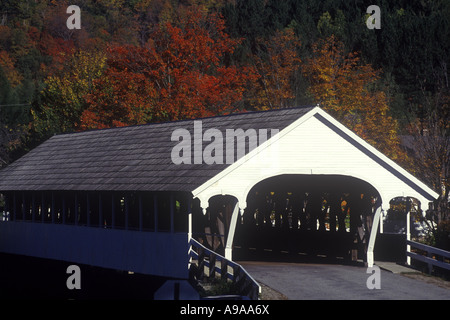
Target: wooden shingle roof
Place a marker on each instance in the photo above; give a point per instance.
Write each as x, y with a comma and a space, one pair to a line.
135, 158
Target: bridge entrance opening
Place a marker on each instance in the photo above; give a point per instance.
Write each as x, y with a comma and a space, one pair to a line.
297, 217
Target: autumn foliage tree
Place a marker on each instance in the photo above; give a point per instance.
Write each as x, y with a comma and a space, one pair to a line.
277, 63
429, 143
63, 97
180, 73
346, 88
7, 63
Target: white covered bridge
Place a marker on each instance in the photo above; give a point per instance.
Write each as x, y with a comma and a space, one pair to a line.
131, 198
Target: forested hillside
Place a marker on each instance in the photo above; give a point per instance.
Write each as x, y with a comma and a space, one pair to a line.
141, 61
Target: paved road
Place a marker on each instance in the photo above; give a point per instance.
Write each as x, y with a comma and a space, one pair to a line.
300, 281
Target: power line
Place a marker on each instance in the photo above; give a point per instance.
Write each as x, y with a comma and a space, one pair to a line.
15, 105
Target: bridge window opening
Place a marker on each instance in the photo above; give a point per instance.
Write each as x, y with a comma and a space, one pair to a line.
198, 221
32, 206
56, 208
26, 206
119, 211
165, 209
49, 210
4, 207
40, 208
148, 208
93, 209
107, 210
82, 214
132, 211
13, 205
211, 229
183, 202
70, 209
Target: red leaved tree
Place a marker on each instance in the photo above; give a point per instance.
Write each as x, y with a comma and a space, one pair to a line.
180, 73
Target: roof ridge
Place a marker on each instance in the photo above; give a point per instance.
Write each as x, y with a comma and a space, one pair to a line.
186, 120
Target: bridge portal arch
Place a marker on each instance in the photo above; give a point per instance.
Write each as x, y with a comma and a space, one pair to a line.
330, 215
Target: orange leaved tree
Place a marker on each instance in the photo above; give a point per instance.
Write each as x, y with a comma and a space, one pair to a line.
346, 88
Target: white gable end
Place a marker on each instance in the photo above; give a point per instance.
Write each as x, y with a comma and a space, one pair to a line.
315, 144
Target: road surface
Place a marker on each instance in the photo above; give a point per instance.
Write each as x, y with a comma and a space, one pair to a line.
300, 281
